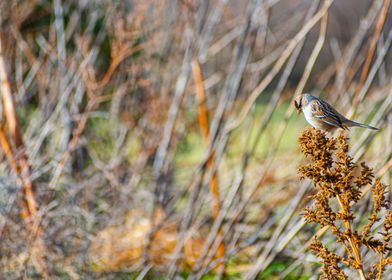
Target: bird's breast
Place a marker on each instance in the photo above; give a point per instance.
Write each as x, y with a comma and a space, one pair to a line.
307, 110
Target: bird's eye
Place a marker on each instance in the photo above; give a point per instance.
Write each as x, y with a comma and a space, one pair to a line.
298, 104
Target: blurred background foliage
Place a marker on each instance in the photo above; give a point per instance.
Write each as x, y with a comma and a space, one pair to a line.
127, 183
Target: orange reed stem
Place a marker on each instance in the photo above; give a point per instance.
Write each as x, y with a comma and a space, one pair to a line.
204, 125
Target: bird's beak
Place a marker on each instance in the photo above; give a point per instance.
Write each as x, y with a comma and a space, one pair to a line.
299, 110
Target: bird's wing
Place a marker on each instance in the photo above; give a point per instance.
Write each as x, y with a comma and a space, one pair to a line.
326, 113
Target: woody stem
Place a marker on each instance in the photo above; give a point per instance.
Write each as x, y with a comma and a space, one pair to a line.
352, 241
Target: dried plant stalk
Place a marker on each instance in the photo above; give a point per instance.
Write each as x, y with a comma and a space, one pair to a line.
204, 125
335, 177
13, 146
372, 49
15, 151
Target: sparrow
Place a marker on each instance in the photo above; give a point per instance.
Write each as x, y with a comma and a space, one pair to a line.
322, 115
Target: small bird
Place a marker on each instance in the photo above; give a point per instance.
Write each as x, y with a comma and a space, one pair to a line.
321, 115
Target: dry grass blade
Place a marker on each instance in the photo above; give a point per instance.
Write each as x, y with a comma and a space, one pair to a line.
14, 148
372, 48
204, 125
313, 57
17, 158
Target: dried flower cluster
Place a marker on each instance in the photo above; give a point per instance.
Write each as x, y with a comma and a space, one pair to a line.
336, 178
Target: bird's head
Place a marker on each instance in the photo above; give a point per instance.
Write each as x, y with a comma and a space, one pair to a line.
298, 103
301, 101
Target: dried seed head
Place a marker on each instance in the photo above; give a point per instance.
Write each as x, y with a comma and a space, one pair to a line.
335, 177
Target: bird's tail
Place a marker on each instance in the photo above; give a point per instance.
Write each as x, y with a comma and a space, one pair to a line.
352, 123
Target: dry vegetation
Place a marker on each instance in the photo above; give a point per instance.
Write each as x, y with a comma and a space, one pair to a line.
336, 177
156, 139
